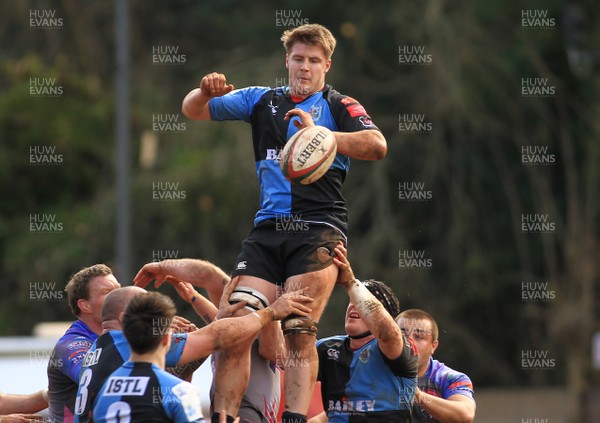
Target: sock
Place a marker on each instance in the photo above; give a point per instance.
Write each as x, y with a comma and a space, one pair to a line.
289, 417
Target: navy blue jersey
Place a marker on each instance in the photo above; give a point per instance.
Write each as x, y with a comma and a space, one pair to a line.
63, 370
145, 393
106, 355
264, 108
363, 385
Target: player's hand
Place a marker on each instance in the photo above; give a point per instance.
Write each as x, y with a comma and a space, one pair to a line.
304, 121
185, 289
182, 325
294, 302
225, 308
215, 85
148, 273
345, 274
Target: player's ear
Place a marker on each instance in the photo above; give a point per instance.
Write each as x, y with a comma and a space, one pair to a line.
120, 317
327, 65
434, 346
287, 61
84, 305
166, 341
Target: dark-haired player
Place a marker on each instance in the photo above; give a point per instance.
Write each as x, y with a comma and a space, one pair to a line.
146, 320
272, 258
141, 390
110, 350
369, 374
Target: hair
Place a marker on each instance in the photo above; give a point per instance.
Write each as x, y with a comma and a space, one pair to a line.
78, 286
418, 314
385, 295
312, 34
146, 320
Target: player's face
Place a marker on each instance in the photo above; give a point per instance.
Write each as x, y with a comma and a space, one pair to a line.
307, 66
354, 324
98, 288
420, 331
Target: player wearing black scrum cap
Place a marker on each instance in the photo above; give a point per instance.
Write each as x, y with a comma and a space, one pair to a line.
369, 374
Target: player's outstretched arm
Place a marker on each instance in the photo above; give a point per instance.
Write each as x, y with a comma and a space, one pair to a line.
31, 403
195, 104
200, 273
375, 316
226, 332
368, 144
455, 409
201, 305
21, 418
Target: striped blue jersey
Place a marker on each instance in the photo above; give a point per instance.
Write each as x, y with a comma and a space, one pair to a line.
363, 385
106, 355
140, 392
264, 108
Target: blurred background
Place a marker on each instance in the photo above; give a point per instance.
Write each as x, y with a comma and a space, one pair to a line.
485, 211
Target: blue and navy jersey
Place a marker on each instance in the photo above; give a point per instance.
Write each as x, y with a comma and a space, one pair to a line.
143, 393
63, 370
106, 355
363, 385
264, 108
441, 381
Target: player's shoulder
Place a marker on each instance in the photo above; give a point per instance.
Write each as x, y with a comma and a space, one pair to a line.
74, 342
179, 396
439, 370
253, 91
334, 96
336, 341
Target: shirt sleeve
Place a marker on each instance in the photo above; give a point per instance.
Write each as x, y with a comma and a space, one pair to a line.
72, 355
185, 405
236, 105
350, 115
457, 383
178, 341
406, 363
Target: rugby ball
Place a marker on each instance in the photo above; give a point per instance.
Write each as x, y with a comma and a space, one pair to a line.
308, 155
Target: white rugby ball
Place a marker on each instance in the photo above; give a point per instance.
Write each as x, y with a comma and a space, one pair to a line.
308, 155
